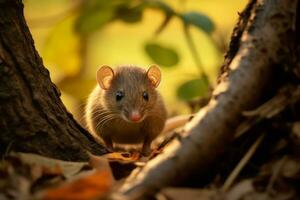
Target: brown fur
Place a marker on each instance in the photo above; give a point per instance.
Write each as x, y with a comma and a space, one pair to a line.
133, 81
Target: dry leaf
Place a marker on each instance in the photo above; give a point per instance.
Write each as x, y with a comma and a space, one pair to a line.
124, 156
51, 166
88, 187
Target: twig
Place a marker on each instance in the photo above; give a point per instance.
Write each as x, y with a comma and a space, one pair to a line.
193, 50
241, 164
163, 25
275, 174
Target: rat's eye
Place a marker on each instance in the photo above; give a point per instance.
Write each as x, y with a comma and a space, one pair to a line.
146, 96
119, 95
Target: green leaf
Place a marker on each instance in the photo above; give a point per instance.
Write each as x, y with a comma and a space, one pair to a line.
193, 89
93, 20
130, 14
97, 13
199, 20
161, 55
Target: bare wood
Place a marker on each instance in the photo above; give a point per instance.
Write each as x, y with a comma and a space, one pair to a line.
176, 122
266, 29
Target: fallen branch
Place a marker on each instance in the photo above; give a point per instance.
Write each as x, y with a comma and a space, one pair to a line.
213, 128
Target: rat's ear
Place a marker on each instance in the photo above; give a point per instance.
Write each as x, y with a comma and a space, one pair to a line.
104, 76
154, 75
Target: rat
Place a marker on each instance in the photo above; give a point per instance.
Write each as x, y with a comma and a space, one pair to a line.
125, 107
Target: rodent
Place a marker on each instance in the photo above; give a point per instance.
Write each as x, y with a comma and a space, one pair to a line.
125, 107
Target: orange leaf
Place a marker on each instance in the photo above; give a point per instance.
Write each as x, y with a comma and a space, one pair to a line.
89, 187
121, 156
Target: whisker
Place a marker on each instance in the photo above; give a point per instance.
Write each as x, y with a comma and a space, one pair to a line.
104, 121
98, 114
102, 118
101, 111
99, 124
104, 112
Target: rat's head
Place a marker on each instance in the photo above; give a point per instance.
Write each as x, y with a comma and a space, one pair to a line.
129, 91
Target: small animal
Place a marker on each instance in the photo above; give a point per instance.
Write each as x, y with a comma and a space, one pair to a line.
125, 107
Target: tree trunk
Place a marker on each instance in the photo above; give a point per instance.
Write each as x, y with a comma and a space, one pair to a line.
32, 116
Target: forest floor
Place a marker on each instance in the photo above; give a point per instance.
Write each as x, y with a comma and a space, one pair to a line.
263, 162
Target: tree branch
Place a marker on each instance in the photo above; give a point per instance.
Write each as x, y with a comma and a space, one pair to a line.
212, 129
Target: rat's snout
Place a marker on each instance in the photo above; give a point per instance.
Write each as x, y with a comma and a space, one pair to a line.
135, 116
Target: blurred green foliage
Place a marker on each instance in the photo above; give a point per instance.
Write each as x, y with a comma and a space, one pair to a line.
67, 48
199, 20
59, 46
161, 55
193, 88
95, 14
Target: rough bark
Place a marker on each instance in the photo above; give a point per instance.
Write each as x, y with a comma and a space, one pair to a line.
32, 116
263, 37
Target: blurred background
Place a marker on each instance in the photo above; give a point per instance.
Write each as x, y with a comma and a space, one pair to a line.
186, 38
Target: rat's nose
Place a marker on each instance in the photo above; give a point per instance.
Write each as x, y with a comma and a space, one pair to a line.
135, 116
